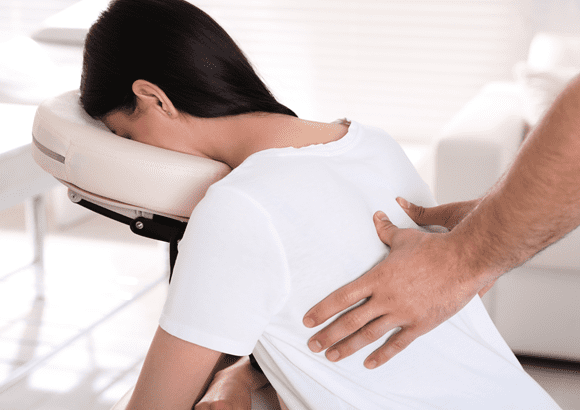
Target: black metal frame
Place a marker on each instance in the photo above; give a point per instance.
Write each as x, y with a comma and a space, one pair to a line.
159, 228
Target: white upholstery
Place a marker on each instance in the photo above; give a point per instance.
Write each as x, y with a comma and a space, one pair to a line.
82, 152
535, 307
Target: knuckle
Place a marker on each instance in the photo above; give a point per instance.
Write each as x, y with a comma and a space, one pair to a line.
349, 346
419, 212
351, 322
399, 344
405, 337
343, 298
387, 233
346, 349
447, 221
369, 334
391, 348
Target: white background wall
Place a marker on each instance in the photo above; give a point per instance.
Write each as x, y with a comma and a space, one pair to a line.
406, 66
561, 16
24, 16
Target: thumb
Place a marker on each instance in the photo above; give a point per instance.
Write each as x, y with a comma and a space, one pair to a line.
385, 228
420, 215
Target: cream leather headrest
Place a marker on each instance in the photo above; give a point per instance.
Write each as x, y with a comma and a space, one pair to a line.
83, 153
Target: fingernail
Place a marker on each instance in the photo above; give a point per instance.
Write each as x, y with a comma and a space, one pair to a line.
403, 202
332, 355
315, 346
371, 364
382, 216
308, 322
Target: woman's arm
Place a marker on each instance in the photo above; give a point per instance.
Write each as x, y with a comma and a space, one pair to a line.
175, 374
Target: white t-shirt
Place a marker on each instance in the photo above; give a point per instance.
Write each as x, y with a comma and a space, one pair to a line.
285, 229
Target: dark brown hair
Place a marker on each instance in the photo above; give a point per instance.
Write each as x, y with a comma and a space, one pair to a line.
178, 47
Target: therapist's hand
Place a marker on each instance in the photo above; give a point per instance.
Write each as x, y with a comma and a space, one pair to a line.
232, 387
226, 393
447, 215
418, 286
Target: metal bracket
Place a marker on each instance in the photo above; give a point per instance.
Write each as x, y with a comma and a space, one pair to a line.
161, 229
156, 227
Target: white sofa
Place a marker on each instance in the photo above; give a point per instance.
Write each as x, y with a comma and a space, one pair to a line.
536, 307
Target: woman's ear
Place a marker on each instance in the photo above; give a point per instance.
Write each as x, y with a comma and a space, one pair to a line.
153, 97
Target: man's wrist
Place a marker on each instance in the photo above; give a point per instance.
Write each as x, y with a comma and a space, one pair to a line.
471, 255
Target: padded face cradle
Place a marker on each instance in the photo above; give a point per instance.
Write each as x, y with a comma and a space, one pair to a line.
116, 173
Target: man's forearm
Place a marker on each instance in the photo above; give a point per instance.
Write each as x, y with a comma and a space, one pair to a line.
537, 201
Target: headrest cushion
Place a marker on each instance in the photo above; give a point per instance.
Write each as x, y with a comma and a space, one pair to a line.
74, 147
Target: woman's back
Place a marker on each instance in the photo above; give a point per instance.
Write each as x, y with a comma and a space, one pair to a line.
289, 226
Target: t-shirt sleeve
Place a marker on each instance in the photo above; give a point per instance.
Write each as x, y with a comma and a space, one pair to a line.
230, 276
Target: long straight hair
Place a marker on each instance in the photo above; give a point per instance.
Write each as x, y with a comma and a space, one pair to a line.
179, 48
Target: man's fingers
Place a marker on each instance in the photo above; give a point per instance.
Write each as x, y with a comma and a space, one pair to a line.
336, 302
424, 216
369, 333
447, 215
343, 326
396, 343
385, 228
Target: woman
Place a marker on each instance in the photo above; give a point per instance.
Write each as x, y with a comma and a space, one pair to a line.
291, 223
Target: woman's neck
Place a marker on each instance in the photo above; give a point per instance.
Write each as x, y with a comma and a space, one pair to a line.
232, 139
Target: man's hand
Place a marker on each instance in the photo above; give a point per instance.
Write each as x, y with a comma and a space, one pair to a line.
226, 392
232, 387
447, 215
429, 277
418, 286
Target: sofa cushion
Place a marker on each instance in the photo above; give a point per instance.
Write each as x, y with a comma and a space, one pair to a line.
550, 50
553, 60
540, 87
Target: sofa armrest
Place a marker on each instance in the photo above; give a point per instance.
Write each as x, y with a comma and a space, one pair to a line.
479, 143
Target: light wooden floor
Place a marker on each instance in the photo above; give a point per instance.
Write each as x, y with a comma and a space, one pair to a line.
90, 269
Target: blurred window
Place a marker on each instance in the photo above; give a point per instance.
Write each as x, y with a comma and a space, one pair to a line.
406, 66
